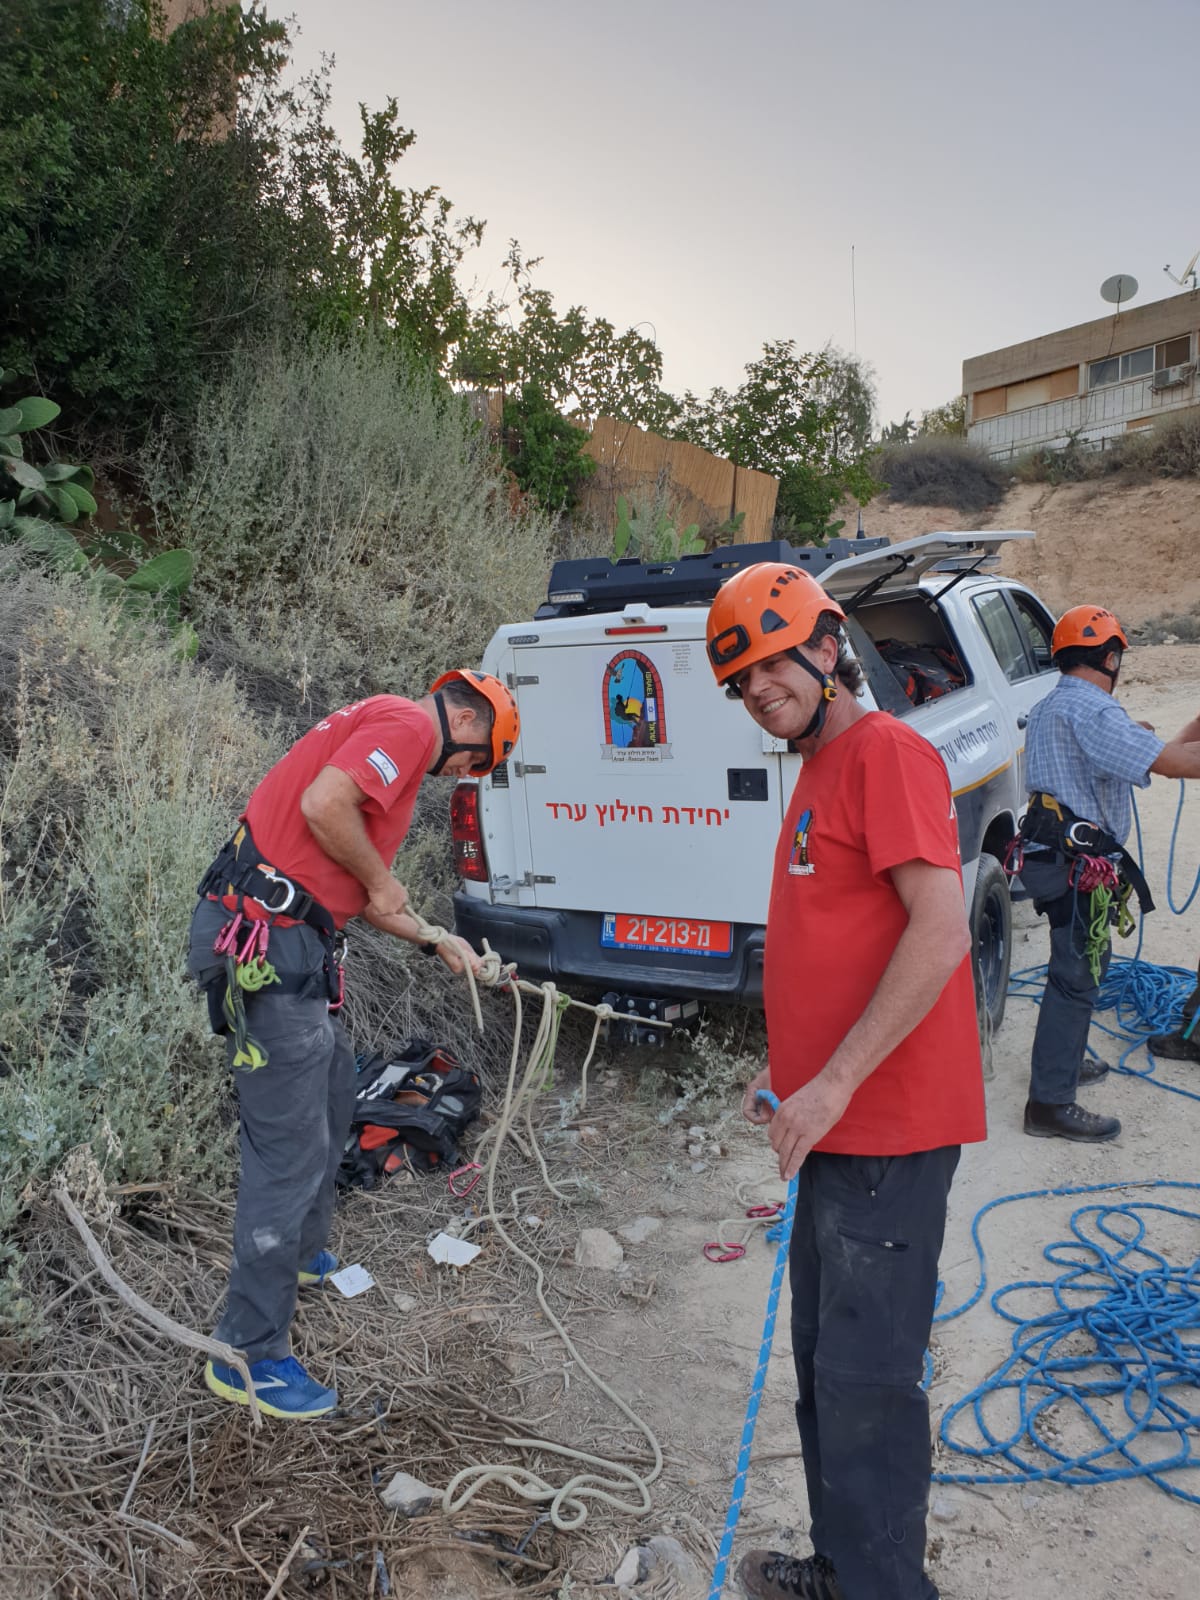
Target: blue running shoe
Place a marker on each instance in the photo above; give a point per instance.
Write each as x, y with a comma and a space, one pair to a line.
319, 1268
282, 1388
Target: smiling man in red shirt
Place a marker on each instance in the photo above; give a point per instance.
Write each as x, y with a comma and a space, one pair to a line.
874, 1057
314, 848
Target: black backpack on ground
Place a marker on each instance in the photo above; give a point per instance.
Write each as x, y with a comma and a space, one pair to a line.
412, 1106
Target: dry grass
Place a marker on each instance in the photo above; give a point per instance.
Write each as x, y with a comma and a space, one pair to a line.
123, 1476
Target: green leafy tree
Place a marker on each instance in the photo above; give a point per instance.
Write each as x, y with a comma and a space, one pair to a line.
950, 418
164, 197
543, 451
580, 363
788, 418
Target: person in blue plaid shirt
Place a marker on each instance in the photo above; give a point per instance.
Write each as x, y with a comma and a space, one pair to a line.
1084, 757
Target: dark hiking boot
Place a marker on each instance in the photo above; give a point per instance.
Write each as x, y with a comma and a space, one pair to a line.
1174, 1047
1069, 1122
1092, 1070
770, 1575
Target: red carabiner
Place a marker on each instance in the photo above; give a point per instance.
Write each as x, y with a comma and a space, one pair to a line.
718, 1252
770, 1208
461, 1193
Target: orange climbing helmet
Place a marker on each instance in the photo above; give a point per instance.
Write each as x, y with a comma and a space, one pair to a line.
1087, 628
764, 610
506, 720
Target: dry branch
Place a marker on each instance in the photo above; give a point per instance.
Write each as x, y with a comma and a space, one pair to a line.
163, 1324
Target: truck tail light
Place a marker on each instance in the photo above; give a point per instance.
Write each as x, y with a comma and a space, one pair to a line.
466, 834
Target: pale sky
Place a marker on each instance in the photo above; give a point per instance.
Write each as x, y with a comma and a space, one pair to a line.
705, 168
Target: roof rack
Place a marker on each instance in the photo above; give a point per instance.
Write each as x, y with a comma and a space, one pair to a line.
582, 588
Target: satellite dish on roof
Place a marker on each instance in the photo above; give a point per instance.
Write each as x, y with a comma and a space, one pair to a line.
1119, 288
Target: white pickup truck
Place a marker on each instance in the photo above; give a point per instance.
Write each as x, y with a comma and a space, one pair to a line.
626, 846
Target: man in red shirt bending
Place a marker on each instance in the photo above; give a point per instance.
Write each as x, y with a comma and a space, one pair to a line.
874, 1057
315, 848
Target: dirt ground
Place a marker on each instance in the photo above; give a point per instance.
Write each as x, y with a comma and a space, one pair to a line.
1131, 547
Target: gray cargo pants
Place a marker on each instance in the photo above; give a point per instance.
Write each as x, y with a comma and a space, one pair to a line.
295, 1117
1061, 1036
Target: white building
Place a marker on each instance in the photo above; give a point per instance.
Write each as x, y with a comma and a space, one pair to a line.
1092, 382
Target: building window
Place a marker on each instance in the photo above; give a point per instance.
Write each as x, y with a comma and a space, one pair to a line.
1150, 358
1174, 353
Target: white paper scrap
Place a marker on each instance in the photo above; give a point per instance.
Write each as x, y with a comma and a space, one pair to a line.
352, 1280
453, 1252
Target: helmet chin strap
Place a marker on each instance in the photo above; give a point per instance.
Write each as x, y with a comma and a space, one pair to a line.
449, 747
828, 693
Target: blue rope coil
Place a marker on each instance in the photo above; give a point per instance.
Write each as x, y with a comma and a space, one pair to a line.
781, 1232
1113, 1340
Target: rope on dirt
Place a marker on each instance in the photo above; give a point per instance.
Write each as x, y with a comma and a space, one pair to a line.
1119, 1347
1145, 998
782, 1231
603, 1481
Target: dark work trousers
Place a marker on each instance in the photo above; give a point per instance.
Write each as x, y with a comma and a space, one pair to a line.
1190, 1007
864, 1267
1065, 1015
295, 1117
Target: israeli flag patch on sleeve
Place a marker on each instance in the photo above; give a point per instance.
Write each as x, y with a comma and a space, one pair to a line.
384, 766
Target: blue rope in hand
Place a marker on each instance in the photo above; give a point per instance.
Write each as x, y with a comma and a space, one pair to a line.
1195, 889
782, 1232
1117, 1351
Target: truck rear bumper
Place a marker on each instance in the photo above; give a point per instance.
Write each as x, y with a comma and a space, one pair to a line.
565, 946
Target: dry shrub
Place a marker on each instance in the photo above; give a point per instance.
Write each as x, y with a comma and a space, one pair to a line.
119, 764
352, 531
941, 470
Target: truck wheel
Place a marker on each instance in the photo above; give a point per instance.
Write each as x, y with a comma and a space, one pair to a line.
991, 938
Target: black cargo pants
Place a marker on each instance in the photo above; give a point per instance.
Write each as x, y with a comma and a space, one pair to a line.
295, 1117
864, 1267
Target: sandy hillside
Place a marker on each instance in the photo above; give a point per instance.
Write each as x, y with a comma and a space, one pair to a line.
1134, 548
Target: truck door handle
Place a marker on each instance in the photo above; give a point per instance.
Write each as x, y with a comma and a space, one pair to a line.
1023, 720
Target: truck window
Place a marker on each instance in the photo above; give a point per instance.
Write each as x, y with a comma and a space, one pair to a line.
1002, 633
1037, 626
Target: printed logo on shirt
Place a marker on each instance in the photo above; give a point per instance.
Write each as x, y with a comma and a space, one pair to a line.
799, 866
384, 766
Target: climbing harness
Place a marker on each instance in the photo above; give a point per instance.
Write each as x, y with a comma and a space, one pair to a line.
783, 1233
412, 1107
239, 873
1053, 833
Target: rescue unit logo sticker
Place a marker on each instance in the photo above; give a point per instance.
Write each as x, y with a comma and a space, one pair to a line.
635, 726
799, 866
